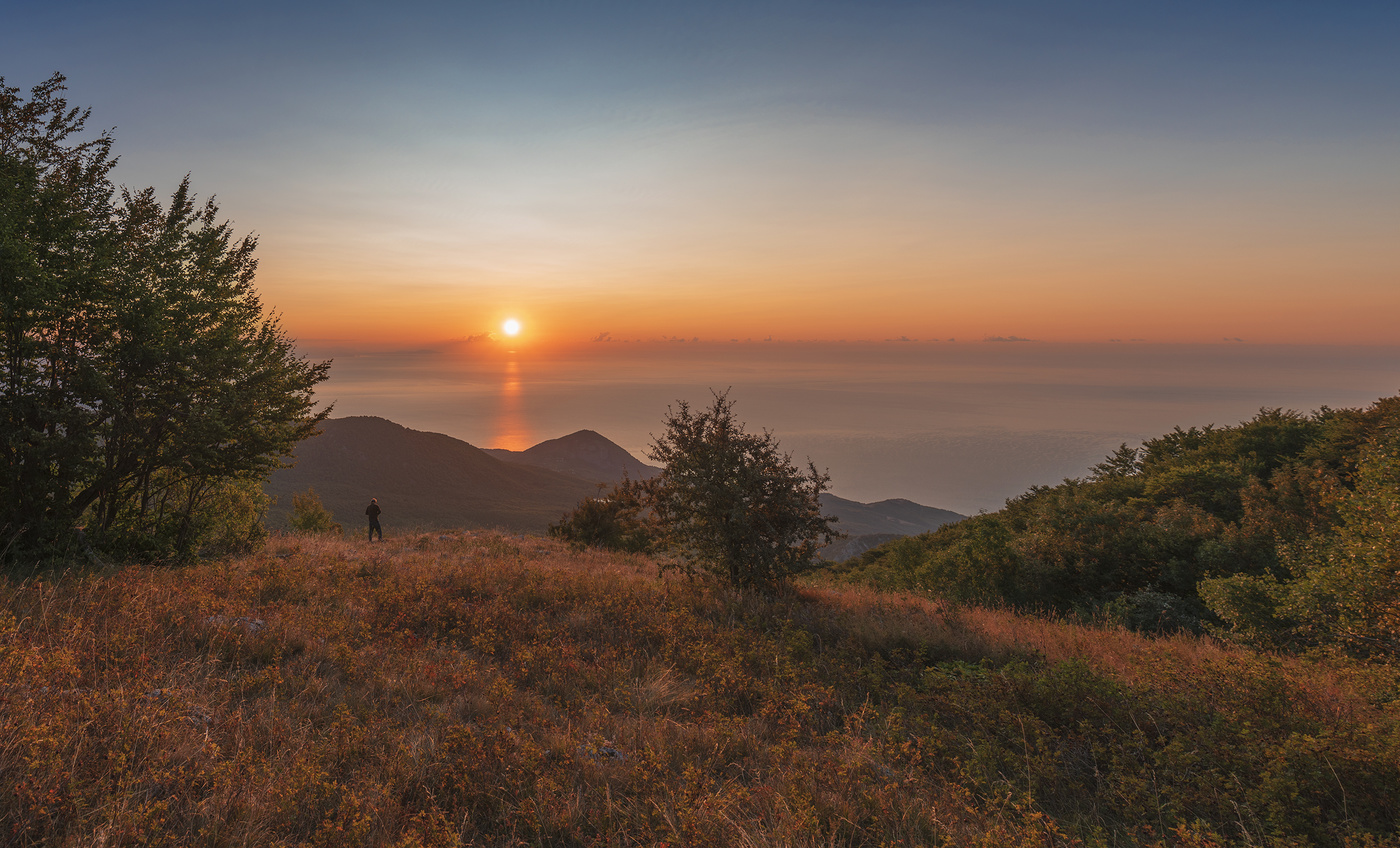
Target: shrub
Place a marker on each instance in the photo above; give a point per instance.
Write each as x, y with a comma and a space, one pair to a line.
309, 515
618, 521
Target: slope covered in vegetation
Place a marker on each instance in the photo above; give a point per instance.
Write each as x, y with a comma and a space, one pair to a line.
423, 480
1256, 527
474, 688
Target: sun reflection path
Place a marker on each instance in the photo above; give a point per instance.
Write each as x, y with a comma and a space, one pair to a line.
511, 430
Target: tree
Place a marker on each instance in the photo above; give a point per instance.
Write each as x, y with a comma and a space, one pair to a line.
731, 503
54, 216
139, 374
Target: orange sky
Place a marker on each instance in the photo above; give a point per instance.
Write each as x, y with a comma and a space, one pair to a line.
1077, 171
1081, 281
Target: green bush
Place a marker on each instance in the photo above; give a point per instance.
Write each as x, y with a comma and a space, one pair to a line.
618, 521
309, 515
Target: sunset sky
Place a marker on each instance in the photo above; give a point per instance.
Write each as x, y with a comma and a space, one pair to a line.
1176, 172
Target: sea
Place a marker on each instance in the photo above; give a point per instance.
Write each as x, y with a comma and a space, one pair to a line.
956, 425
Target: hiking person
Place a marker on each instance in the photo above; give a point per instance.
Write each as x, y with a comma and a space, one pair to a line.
373, 511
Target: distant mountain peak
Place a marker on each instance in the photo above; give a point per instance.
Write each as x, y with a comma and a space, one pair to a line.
582, 453
900, 516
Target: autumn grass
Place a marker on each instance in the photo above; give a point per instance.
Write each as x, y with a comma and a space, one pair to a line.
488, 689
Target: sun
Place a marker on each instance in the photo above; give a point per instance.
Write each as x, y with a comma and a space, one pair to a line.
511, 327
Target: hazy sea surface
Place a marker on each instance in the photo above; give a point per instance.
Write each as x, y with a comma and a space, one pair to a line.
961, 426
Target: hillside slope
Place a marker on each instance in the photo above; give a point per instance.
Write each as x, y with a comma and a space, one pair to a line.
423, 480
479, 689
868, 526
1281, 527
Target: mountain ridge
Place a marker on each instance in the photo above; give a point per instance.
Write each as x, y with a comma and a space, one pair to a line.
424, 480
893, 515
429, 480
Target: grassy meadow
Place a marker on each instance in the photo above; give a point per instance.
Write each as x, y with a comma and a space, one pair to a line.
496, 690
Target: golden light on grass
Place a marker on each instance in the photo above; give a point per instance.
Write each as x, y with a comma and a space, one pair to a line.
484, 688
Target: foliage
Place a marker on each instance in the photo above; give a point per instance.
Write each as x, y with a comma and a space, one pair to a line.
483, 689
621, 520
1221, 512
730, 502
54, 250
309, 515
138, 372
1341, 588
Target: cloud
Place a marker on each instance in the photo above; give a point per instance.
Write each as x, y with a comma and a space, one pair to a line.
604, 336
1006, 339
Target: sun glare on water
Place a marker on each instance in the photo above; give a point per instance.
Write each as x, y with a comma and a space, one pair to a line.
511, 327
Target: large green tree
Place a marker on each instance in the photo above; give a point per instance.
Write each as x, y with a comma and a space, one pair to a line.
140, 377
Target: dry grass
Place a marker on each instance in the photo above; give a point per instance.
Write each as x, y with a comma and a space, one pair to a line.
487, 689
